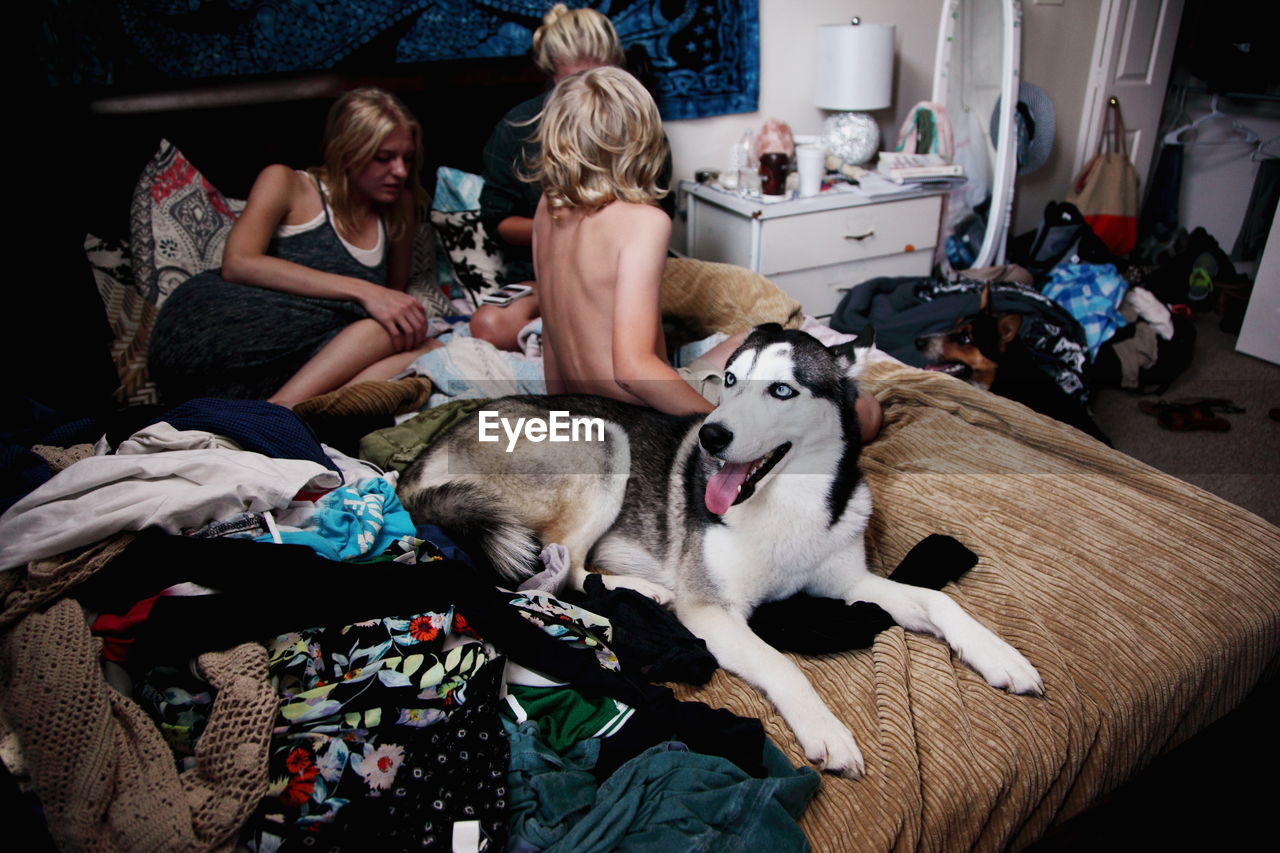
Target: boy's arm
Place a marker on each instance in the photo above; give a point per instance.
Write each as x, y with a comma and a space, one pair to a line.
638, 367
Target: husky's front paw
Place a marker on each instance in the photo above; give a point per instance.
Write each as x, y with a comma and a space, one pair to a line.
649, 589
1001, 664
830, 745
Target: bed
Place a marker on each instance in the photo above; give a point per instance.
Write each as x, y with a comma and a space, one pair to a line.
1151, 609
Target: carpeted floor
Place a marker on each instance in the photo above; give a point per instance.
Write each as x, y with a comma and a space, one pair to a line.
1241, 465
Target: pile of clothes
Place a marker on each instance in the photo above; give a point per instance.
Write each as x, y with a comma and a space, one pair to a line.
292, 661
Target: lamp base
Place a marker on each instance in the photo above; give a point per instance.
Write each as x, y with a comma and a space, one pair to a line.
852, 137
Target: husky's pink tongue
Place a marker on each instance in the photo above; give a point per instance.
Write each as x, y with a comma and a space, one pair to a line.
722, 488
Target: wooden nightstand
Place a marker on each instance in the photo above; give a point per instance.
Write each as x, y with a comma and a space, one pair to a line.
815, 248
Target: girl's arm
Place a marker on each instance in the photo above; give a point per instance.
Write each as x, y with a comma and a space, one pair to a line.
275, 193
639, 365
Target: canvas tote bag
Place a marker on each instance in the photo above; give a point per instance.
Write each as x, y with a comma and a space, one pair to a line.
1106, 190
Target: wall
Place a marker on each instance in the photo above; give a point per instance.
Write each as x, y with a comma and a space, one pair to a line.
1057, 42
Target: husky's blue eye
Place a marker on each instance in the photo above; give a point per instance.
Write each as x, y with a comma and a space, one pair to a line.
781, 391
729, 379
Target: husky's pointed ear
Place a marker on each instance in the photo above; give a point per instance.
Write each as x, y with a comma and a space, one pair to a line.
854, 353
765, 329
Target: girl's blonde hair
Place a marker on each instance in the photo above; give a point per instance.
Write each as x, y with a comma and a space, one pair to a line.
571, 37
599, 138
359, 122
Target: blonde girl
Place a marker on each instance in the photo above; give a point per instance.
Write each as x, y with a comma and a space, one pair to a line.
311, 293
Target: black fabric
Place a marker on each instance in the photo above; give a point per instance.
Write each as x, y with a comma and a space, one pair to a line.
1260, 212
344, 432
648, 638
1172, 358
1018, 377
1159, 219
1063, 235
816, 626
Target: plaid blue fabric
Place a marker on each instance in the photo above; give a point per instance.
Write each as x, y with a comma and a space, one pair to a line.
1091, 293
255, 425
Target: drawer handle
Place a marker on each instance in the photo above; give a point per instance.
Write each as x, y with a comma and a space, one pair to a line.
869, 233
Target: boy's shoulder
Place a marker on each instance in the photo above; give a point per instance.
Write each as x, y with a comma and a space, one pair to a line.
640, 215
632, 227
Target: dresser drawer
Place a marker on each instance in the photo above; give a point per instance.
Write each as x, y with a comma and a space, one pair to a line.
820, 289
849, 234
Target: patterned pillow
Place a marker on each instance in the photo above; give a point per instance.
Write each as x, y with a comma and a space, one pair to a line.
475, 257
178, 224
130, 316
423, 282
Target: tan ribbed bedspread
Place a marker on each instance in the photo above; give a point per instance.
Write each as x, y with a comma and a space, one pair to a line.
1150, 608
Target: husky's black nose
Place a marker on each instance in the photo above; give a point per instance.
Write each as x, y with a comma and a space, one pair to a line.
714, 437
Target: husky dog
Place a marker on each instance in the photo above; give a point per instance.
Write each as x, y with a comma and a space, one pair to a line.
759, 500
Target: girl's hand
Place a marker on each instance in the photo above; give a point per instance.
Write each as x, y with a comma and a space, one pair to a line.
400, 314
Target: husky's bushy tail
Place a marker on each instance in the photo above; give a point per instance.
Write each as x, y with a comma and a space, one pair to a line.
476, 517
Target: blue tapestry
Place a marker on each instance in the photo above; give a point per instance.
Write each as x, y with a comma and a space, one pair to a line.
704, 54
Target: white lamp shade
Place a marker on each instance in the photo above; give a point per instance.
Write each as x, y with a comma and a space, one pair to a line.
854, 69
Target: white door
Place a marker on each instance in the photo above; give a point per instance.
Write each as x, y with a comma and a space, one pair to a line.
1132, 55
1260, 334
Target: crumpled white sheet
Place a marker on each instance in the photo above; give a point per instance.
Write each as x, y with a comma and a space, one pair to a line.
171, 490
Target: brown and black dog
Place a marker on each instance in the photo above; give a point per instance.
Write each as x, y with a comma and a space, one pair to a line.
986, 351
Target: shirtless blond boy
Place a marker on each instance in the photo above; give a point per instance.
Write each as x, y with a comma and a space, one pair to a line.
600, 245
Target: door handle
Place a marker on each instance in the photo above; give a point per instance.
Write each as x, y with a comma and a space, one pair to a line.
870, 232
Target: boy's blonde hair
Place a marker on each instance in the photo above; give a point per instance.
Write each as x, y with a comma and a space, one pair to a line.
599, 138
571, 37
358, 123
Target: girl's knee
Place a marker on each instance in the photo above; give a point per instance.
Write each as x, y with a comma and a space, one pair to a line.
491, 324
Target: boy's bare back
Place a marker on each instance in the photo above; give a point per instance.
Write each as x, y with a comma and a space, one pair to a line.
599, 281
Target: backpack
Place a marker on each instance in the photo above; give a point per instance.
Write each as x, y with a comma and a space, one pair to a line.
1063, 235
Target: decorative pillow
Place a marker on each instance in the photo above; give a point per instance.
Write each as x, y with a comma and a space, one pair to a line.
423, 282
178, 224
471, 261
725, 298
474, 256
456, 190
130, 316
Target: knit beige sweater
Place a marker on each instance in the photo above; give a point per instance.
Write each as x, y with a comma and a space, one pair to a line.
102, 772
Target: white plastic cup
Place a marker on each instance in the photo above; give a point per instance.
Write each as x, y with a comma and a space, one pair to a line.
811, 163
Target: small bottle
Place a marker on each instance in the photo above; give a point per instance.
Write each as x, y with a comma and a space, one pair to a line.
742, 161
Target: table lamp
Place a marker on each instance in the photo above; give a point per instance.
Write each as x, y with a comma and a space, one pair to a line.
853, 74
